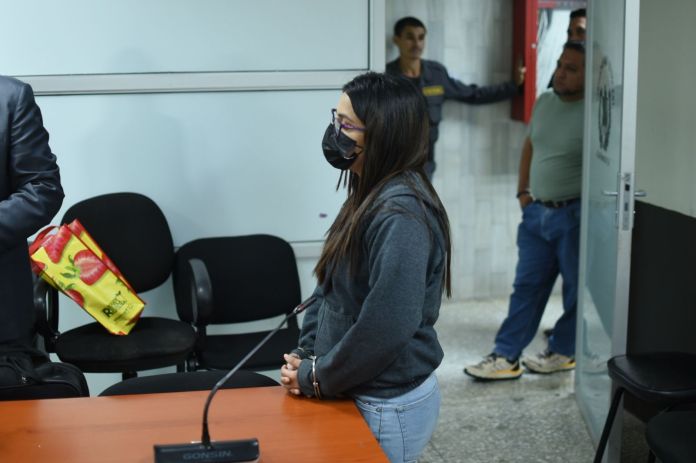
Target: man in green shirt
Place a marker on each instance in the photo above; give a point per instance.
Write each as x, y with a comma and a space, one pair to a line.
548, 237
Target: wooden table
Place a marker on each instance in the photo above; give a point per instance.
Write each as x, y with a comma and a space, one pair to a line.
124, 428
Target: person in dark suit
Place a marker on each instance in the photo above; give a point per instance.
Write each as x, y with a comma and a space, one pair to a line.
30, 195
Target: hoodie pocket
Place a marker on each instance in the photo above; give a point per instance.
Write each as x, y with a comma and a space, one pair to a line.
333, 325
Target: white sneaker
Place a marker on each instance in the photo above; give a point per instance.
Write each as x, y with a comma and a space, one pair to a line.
549, 362
495, 367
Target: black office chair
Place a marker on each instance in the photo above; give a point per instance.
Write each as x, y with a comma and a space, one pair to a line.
188, 381
663, 378
233, 280
670, 437
133, 232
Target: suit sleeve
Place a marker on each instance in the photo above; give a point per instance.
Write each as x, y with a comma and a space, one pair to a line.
33, 175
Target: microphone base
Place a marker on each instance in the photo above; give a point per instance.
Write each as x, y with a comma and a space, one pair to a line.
231, 451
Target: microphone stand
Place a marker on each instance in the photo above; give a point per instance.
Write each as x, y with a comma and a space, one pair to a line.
208, 451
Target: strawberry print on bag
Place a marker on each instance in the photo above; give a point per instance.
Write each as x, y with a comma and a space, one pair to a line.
72, 262
89, 267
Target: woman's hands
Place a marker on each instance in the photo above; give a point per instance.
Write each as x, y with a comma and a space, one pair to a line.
288, 373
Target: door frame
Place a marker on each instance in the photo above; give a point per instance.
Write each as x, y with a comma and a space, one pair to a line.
627, 86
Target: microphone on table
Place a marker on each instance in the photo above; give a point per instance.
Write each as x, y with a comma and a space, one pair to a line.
207, 451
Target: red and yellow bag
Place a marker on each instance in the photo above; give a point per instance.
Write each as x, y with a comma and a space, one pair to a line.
72, 262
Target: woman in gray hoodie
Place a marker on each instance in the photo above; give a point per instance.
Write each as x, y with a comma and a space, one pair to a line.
369, 334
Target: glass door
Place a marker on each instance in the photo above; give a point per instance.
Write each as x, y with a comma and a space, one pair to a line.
607, 213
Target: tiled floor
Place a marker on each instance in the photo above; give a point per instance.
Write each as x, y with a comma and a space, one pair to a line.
532, 419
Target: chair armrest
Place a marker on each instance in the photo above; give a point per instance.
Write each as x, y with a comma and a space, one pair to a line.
201, 293
47, 312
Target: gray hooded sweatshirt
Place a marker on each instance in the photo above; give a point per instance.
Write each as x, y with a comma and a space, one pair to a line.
373, 332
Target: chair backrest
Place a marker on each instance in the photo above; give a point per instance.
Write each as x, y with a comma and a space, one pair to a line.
253, 277
133, 232
189, 381
670, 436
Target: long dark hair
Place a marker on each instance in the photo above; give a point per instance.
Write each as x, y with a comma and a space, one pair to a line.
396, 141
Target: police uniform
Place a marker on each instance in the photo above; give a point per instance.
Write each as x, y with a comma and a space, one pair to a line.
438, 86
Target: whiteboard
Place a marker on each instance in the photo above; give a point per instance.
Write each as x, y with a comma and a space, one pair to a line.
220, 163
48, 37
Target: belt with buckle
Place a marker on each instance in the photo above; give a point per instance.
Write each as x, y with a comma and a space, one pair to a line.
557, 204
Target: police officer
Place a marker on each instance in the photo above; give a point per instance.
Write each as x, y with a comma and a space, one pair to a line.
435, 82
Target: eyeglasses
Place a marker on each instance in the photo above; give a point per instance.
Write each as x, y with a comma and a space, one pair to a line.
338, 125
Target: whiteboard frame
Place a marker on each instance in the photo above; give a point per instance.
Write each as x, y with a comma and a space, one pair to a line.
98, 84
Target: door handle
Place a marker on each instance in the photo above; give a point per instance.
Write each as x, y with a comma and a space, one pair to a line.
636, 194
625, 193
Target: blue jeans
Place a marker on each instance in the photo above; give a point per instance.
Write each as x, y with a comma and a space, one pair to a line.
403, 425
548, 242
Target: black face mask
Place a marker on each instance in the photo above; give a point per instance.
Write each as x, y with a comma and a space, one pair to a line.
339, 150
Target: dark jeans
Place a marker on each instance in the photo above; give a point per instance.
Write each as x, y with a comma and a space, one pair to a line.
548, 242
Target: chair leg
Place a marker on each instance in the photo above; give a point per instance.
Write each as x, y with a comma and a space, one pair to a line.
608, 425
191, 364
651, 457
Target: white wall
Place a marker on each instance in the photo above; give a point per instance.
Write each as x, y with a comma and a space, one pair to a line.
217, 163
666, 126
479, 147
